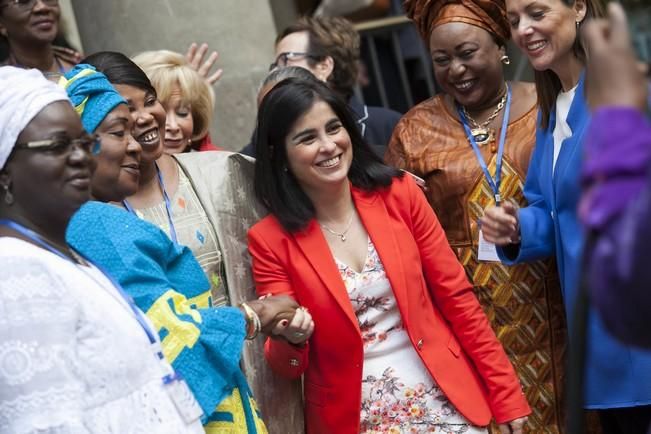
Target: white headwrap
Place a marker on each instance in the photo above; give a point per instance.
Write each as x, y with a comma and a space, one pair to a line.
23, 94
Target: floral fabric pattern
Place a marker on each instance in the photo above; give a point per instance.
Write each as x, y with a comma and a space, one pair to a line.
398, 393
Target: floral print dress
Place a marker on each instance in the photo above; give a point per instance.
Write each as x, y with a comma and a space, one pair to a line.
398, 393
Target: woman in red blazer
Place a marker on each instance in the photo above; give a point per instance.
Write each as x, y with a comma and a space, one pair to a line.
398, 341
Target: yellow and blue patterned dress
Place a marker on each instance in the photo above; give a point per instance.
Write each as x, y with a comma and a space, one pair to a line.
204, 344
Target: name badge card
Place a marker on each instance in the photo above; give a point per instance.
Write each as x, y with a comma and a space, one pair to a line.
486, 251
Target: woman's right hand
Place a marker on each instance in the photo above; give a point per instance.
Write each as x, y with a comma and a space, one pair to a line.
298, 330
500, 224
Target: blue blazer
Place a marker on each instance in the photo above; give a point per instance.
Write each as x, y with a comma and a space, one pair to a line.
616, 375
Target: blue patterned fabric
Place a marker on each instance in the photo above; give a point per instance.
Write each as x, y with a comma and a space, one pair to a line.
202, 343
92, 96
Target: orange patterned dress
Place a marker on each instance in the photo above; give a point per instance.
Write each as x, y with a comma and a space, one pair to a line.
523, 302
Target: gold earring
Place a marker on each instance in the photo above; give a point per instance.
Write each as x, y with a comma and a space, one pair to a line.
506, 60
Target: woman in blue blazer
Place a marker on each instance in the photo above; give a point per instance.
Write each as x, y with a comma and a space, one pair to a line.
617, 377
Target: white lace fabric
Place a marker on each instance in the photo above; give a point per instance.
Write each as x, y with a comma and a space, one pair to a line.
73, 358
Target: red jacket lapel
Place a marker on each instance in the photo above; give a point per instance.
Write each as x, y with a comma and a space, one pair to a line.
315, 248
379, 225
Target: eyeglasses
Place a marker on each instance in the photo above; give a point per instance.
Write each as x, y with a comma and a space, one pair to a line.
28, 5
283, 58
62, 145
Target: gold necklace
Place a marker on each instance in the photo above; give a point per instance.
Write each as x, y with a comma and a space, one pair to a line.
341, 235
482, 133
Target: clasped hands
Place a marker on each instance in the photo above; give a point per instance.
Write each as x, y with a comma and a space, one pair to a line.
281, 317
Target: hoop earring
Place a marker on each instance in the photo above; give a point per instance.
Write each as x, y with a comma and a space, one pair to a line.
9, 197
506, 60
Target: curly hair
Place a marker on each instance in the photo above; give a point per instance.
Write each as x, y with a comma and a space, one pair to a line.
334, 37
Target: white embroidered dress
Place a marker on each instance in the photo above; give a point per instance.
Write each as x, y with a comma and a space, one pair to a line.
398, 393
73, 358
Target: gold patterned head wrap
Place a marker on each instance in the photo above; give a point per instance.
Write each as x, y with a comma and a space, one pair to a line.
489, 15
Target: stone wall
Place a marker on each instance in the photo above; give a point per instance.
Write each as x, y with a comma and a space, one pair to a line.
241, 30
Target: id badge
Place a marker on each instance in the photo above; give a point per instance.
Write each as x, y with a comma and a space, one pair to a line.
486, 251
183, 400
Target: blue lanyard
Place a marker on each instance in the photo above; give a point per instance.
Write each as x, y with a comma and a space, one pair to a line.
494, 183
127, 298
168, 205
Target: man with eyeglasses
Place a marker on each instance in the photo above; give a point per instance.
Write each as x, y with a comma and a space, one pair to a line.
330, 49
29, 28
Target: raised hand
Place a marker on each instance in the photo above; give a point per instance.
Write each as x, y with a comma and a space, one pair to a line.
614, 76
195, 57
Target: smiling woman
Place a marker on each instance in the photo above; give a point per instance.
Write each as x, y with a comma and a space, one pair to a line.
30, 27
167, 193
319, 151
104, 113
74, 353
203, 201
472, 146
187, 98
399, 342
548, 32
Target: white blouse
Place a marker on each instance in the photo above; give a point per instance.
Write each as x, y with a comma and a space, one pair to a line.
73, 358
562, 129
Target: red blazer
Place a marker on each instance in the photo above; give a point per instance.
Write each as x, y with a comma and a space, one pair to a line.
439, 310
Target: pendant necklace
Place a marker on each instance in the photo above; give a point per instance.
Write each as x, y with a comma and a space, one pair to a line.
482, 133
341, 235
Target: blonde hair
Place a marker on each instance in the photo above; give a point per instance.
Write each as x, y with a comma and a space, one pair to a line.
166, 70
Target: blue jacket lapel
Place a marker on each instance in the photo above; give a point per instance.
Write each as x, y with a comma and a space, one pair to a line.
577, 119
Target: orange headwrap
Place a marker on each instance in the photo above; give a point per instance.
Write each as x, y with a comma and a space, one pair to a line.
490, 15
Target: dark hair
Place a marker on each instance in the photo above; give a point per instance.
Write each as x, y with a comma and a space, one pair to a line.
548, 85
335, 37
119, 69
275, 185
